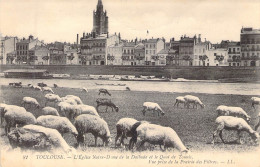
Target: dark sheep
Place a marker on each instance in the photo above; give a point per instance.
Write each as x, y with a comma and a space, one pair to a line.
107, 103
104, 91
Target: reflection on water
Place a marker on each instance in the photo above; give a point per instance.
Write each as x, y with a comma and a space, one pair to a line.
180, 87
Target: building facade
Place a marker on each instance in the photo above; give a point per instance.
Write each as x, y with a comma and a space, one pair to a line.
234, 58
128, 56
186, 49
100, 20
7, 45
140, 54
217, 57
39, 55
23, 47
114, 54
72, 57
200, 58
250, 47
152, 47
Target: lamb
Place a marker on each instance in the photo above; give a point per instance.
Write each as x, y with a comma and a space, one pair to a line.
86, 123
38, 138
123, 128
233, 123
233, 111
30, 101
82, 109
156, 134
52, 98
107, 103
104, 91
255, 101
151, 106
76, 98
18, 116
62, 124
193, 99
47, 89
84, 90
50, 111
178, 100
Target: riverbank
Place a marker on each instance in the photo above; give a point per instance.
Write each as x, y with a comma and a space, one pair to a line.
193, 73
194, 127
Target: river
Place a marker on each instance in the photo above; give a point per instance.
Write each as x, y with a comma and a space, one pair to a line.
180, 87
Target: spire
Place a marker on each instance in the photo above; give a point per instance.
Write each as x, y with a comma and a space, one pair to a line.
99, 6
100, 3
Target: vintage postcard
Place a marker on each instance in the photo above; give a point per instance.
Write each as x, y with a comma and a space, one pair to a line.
129, 83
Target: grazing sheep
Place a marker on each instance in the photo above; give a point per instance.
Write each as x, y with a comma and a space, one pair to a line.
30, 85
84, 90
50, 111
194, 100
18, 116
16, 84
55, 85
65, 108
255, 101
69, 100
76, 98
30, 101
258, 124
37, 88
47, 89
36, 137
107, 103
123, 129
82, 109
86, 123
156, 134
104, 91
128, 89
233, 111
61, 124
5, 107
233, 123
151, 106
133, 132
52, 98
178, 100
42, 84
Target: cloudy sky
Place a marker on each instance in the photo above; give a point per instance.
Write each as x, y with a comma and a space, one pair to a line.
61, 20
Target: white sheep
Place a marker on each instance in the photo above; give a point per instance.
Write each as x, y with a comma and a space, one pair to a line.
52, 98
47, 89
151, 106
233, 123
62, 124
178, 100
189, 99
69, 100
6, 107
37, 88
18, 117
82, 109
66, 109
123, 129
159, 135
54, 138
84, 90
86, 123
255, 101
50, 111
76, 98
30, 101
232, 111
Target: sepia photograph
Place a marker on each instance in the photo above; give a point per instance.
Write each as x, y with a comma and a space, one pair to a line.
129, 83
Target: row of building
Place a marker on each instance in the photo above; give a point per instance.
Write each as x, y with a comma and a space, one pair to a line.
101, 48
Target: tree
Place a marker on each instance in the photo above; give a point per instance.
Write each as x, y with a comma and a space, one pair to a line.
45, 58
70, 58
10, 58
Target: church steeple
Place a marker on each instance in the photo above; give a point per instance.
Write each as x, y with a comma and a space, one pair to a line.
100, 20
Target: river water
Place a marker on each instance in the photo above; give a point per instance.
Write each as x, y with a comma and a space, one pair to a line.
180, 87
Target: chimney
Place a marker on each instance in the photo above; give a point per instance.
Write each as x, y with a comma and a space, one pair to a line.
83, 35
199, 38
77, 39
94, 34
205, 39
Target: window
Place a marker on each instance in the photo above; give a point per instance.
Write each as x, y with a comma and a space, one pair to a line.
234, 49
146, 51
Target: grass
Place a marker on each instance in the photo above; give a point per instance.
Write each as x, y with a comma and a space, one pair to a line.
194, 127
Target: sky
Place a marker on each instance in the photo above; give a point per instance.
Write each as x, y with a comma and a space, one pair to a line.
62, 20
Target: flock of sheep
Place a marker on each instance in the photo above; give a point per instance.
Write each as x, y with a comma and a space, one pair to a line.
72, 116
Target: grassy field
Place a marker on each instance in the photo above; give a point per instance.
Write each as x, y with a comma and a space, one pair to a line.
194, 127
